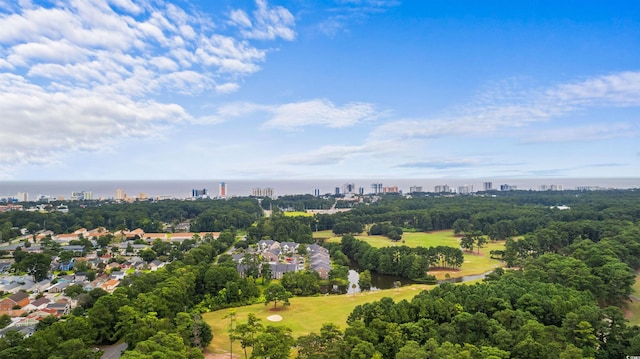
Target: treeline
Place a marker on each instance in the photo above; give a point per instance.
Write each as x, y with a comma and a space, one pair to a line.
204, 215
297, 202
499, 215
599, 257
508, 316
281, 228
403, 261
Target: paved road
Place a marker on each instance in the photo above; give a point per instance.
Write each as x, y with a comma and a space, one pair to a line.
113, 351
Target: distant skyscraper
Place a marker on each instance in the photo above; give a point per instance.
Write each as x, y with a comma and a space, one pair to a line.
337, 191
348, 188
120, 195
442, 188
487, 186
507, 187
81, 196
197, 193
223, 190
464, 189
376, 188
22, 197
413, 189
316, 192
390, 189
262, 192
361, 191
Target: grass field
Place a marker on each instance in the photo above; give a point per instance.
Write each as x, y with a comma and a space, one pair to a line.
305, 315
632, 312
298, 214
474, 263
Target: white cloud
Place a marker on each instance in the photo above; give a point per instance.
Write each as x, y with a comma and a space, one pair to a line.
295, 115
37, 125
81, 75
268, 23
586, 133
348, 11
320, 112
498, 113
326, 155
227, 87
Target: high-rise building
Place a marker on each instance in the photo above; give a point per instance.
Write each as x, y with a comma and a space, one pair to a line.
487, 186
199, 193
222, 190
120, 195
442, 188
337, 191
507, 187
22, 197
316, 192
348, 188
414, 189
466, 189
390, 189
376, 188
81, 196
361, 191
263, 192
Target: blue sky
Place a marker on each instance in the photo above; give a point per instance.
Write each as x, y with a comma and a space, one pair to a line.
123, 89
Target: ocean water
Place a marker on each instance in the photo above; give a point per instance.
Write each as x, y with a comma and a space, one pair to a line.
182, 188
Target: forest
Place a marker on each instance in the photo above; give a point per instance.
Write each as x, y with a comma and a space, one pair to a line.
570, 260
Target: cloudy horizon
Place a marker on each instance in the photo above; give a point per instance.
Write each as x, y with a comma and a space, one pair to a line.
151, 89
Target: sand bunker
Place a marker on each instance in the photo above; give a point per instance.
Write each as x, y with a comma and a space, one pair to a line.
274, 318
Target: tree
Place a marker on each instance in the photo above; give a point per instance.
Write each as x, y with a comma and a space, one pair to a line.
275, 292
266, 273
273, 343
148, 255
365, 280
37, 264
5, 320
246, 332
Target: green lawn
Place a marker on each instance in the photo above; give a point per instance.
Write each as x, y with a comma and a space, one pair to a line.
474, 263
298, 214
632, 312
305, 315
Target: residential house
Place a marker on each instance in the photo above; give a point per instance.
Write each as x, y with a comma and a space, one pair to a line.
18, 299
289, 247
37, 304
66, 266
265, 245
271, 256
238, 257
58, 287
279, 269
77, 250
12, 287
119, 275
61, 307
4, 267
156, 264
110, 285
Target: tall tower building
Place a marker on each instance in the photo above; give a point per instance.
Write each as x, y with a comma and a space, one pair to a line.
487, 186
120, 195
223, 190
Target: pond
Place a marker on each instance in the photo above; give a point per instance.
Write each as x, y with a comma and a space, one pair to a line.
381, 281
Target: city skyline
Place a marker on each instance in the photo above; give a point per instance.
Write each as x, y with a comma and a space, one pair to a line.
136, 90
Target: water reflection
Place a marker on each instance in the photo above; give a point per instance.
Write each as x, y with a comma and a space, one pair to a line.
380, 281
